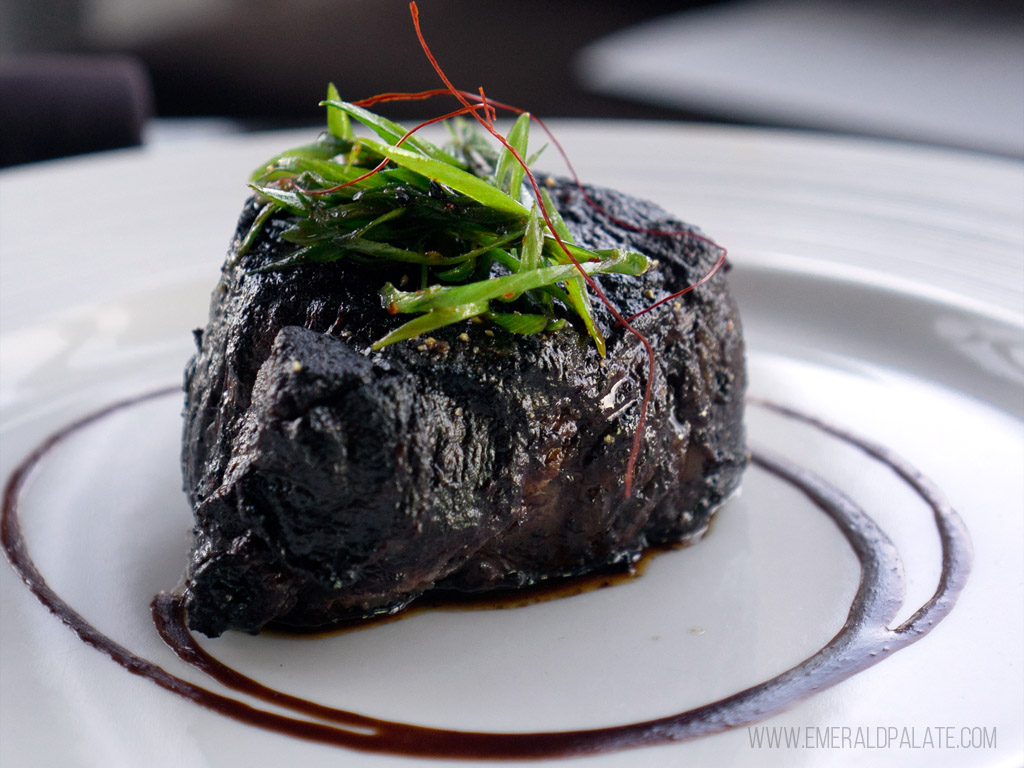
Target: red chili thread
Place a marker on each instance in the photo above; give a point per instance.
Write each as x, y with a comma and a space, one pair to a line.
648, 388
492, 105
488, 107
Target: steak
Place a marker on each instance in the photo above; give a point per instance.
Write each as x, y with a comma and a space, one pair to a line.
332, 483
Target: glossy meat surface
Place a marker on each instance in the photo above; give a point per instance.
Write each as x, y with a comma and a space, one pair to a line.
330, 482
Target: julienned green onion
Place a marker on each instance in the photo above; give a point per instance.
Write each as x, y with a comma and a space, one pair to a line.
448, 296
462, 214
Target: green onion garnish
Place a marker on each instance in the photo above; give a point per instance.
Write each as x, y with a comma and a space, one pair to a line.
454, 211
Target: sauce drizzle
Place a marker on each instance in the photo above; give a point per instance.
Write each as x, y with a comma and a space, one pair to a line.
864, 640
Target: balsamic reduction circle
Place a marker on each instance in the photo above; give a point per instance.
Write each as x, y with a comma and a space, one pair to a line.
865, 639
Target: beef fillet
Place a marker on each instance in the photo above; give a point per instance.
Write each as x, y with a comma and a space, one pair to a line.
330, 482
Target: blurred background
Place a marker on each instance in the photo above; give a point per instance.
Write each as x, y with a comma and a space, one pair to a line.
87, 75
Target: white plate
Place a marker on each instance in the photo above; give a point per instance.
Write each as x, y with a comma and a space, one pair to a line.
881, 287
952, 78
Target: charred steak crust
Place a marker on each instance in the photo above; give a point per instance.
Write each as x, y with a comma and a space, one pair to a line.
331, 483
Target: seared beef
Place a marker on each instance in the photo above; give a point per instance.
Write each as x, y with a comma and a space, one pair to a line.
330, 482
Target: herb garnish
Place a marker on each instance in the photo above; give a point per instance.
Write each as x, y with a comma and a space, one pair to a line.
461, 213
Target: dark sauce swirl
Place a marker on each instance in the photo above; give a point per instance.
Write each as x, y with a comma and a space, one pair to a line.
864, 640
